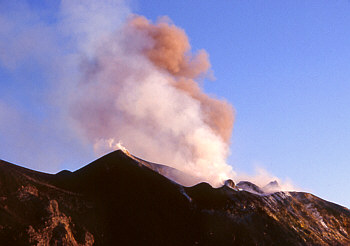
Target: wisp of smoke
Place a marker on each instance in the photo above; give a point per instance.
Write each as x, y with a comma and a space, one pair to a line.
262, 178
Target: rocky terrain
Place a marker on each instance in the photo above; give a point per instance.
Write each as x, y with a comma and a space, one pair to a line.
122, 200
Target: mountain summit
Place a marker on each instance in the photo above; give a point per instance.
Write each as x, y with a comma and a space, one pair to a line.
123, 200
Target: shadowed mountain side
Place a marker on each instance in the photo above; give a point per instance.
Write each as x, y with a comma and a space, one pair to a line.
120, 200
282, 218
132, 200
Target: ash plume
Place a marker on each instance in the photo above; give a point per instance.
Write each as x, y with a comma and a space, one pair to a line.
110, 76
170, 51
139, 84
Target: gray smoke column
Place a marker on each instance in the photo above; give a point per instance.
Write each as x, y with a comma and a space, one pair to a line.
138, 84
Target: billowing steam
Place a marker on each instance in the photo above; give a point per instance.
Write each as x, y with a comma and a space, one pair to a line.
116, 77
138, 85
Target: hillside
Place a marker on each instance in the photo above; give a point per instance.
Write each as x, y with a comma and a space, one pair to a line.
121, 200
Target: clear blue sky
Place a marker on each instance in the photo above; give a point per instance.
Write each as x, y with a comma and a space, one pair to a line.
284, 65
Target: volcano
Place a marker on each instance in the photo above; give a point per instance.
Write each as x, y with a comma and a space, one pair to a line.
122, 200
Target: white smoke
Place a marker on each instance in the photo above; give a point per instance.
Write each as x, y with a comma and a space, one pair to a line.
121, 95
118, 77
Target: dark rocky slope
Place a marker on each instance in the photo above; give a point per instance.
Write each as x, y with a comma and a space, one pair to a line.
120, 200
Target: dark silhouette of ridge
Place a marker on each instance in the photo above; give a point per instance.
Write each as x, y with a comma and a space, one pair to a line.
122, 200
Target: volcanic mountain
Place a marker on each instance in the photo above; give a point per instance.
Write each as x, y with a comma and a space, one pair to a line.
122, 200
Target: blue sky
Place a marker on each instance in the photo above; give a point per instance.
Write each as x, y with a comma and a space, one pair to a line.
284, 65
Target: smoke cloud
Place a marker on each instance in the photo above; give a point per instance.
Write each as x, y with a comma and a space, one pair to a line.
170, 51
139, 85
112, 76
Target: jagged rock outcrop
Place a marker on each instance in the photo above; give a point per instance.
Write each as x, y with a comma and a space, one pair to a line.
250, 187
230, 183
273, 186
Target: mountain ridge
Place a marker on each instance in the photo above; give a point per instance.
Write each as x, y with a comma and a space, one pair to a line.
117, 199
